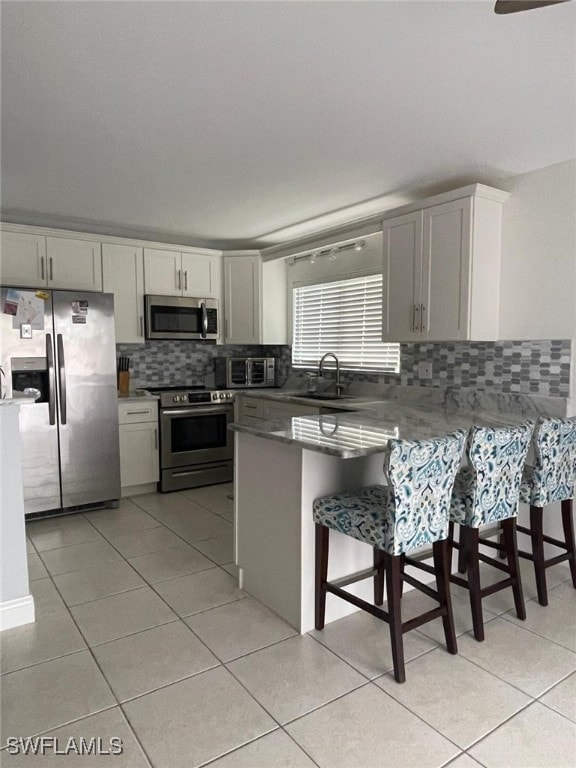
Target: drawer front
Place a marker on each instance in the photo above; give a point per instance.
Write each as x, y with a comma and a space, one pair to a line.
251, 407
136, 413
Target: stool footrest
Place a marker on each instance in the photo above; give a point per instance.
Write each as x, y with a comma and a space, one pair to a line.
493, 562
555, 560
358, 602
484, 591
424, 588
424, 618
547, 539
407, 626
354, 577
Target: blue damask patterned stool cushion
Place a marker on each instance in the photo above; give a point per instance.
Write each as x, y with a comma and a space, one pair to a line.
412, 510
488, 489
553, 476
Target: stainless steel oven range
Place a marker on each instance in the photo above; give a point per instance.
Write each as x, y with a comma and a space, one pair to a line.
196, 447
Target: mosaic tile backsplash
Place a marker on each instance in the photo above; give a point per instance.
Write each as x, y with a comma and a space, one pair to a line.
185, 362
511, 367
516, 367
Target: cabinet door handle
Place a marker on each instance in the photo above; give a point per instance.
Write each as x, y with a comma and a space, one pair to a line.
156, 439
141, 326
186, 280
179, 279
51, 269
226, 334
42, 267
422, 321
415, 310
137, 413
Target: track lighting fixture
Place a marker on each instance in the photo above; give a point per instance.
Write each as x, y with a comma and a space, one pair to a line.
332, 252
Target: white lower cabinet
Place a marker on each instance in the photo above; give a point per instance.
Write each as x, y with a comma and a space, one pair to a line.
139, 464
255, 409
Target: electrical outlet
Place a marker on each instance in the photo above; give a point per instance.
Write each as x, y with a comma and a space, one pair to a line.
425, 370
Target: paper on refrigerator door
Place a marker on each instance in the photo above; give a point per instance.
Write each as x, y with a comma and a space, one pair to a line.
29, 310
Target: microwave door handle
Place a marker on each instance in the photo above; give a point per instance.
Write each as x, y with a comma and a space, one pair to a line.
51, 380
61, 377
204, 320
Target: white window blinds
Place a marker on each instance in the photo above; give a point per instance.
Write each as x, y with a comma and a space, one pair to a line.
344, 317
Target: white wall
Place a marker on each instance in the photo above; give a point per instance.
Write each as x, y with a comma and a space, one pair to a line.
16, 602
538, 278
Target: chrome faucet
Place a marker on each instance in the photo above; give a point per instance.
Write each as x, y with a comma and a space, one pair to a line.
339, 387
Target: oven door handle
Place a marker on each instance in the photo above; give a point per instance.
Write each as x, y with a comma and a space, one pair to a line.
224, 408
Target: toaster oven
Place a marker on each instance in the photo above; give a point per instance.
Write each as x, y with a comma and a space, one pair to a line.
244, 372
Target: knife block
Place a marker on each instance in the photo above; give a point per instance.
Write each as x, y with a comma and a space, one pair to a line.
123, 383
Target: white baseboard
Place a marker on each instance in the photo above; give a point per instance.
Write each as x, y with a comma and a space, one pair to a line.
14, 613
137, 490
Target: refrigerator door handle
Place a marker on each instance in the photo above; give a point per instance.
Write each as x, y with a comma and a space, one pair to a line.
61, 377
51, 380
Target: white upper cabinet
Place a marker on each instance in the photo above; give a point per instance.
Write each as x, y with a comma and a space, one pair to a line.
254, 300
176, 273
441, 271
55, 262
23, 259
123, 275
163, 272
242, 311
202, 275
75, 264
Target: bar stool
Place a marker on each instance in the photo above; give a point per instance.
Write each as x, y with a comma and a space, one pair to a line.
409, 513
551, 479
485, 492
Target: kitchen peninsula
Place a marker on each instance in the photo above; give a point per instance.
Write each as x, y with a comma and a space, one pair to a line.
282, 466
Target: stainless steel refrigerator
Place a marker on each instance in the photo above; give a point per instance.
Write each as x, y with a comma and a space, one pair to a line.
59, 347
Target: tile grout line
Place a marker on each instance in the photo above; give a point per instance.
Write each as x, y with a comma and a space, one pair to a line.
325, 647
104, 678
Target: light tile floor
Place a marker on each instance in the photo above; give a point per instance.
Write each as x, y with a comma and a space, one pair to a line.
143, 634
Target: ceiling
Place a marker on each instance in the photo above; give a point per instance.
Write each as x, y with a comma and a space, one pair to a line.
226, 123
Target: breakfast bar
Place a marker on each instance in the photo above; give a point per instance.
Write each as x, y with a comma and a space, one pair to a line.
282, 466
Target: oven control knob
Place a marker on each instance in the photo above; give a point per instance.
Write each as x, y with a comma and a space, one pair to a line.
221, 395
175, 398
228, 395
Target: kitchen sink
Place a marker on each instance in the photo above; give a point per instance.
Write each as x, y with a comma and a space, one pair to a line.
324, 396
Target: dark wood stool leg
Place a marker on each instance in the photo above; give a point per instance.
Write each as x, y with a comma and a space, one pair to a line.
442, 561
568, 526
509, 529
378, 577
322, 541
394, 595
471, 542
537, 534
501, 552
462, 564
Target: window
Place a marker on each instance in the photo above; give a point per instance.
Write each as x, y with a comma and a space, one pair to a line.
344, 317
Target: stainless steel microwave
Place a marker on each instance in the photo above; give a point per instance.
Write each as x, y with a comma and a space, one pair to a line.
244, 372
181, 317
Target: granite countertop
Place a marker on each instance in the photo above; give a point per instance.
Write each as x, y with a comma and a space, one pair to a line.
400, 412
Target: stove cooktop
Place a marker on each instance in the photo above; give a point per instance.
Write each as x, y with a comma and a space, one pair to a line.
193, 394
